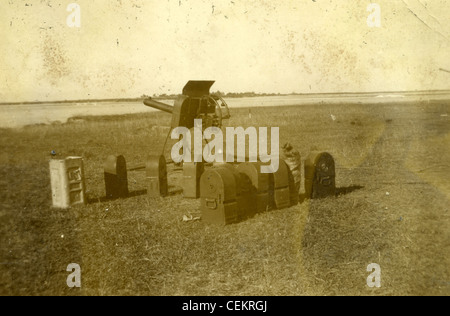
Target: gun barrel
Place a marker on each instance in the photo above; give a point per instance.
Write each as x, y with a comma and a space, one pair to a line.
159, 105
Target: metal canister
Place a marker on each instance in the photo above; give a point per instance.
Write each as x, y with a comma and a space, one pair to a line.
67, 182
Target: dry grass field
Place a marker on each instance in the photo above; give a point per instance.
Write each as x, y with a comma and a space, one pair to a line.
392, 208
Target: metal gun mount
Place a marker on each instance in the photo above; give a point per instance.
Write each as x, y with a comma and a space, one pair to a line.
196, 102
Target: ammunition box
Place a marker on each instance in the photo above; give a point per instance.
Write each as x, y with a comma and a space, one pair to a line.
116, 179
281, 190
192, 172
246, 200
156, 174
293, 189
218, 196
259, 182
245, 194
320, 175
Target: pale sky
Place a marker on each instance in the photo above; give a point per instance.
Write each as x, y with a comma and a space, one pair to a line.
126, 48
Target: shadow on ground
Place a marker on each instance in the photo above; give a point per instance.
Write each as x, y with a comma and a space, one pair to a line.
95, 200
339, 192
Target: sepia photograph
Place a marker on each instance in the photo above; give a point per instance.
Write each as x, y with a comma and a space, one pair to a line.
224, 152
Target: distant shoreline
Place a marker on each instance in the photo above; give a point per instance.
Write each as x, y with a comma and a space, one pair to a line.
245, 95
15, 116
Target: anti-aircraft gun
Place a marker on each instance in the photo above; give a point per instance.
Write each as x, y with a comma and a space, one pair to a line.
228, 193
195, 102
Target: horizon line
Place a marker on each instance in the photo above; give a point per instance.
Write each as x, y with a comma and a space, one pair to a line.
247, 92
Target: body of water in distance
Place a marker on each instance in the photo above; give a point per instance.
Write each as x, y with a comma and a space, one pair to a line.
18, 115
